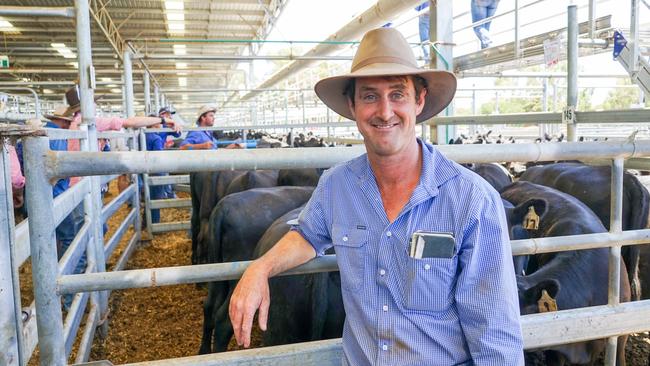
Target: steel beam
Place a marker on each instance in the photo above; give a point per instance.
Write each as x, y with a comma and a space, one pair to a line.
572, 69
37, 11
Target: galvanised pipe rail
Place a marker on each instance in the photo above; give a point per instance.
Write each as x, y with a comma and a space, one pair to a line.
64, 164
154, 277
37, 11
613, 116
37, 104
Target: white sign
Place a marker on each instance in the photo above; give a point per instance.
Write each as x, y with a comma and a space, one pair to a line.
552, 51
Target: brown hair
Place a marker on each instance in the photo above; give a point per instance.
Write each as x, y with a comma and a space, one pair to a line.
418, 81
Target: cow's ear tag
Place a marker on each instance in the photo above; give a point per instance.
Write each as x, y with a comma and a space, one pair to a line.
531, 220
546, 303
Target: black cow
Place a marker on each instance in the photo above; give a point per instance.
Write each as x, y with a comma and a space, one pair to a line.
303, 307
591, 185
299, 177
493, 173
235, 226
573, 279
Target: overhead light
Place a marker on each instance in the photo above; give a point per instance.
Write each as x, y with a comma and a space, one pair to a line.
48, 91
184, 97
176, 26
116, 91
174, 5
181, 65
6, 26
182, 81
74, 64
175, 16
111, 86
63, 50
180, 49
107, 80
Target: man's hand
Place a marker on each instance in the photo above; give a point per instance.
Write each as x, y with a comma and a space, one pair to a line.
207, 145
173, 125
251, 294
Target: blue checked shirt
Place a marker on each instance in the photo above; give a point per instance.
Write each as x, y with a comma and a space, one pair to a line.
433, 311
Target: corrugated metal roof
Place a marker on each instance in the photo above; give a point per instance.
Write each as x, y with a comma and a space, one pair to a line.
144, 25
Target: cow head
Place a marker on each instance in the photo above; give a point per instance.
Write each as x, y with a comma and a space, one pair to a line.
539, 297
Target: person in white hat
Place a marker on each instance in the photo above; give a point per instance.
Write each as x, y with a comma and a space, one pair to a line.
201, 140
422, 247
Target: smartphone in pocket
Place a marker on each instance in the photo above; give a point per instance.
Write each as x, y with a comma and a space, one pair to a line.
427, 244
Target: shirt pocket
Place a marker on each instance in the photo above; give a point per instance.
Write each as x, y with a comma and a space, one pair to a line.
350, 247
429, 283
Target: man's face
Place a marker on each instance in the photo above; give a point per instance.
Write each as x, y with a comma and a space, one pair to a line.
166, 115
385, 110
207, 120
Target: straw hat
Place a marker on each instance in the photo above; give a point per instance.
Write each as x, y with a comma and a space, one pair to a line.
205, 109
385, 52
59, 113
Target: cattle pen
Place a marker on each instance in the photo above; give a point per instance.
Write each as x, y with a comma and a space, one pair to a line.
44, 325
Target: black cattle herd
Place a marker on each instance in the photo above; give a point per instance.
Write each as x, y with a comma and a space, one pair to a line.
239, 215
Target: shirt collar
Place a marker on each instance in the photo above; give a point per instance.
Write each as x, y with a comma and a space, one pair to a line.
50, 124
436, 168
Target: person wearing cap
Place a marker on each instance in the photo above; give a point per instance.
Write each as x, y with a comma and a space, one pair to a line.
457, 305
166, 112
201, 140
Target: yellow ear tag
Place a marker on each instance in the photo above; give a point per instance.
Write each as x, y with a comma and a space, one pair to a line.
546, 303
531, 220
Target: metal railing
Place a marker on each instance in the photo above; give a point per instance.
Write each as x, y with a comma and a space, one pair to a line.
22, 340
630, 317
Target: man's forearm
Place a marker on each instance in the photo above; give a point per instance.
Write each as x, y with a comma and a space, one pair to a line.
291, 251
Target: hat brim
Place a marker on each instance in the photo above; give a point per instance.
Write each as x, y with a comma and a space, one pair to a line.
52, 116
440, 91
77, 107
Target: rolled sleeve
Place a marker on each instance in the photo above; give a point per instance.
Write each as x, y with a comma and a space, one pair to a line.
190, 139
17, 178
314, 220
109, 123
486, 291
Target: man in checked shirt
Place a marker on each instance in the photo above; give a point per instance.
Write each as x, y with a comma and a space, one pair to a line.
455, 309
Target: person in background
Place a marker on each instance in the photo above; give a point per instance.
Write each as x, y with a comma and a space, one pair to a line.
166, 113
482, 9
155, 143
423, 25
17, 178
202, 140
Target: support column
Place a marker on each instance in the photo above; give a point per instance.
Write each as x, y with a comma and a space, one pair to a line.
147, 94
38, 197
572, 69
95, 249
156, 98
441, 36
11, 340
128, 84
145, 187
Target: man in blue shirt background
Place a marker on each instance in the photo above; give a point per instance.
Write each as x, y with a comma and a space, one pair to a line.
457, 306
202, 140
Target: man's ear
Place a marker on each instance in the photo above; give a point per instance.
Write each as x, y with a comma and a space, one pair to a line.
351, 106
420, 101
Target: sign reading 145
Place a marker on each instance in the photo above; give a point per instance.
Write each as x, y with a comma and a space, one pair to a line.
569, 115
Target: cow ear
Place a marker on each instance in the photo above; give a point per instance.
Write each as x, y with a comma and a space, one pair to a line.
551, 286
519, 212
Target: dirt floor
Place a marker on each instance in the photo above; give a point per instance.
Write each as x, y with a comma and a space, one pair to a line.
166, 322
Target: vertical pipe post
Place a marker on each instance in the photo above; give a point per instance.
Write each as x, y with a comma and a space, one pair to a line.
572, 68
517, 45
128, 84
135, 202
147, 94
633, 42
592, 17
95, 248
38, 197
544, 127
11, 336
163, 100
123, 98
615, 226
145, 187
440, 29
156, 98
474, 128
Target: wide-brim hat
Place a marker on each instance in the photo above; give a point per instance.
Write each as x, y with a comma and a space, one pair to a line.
205, 109
59, 113
385, 52
73, 100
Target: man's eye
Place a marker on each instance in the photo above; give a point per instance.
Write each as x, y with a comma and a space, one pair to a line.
398, 96
369, 98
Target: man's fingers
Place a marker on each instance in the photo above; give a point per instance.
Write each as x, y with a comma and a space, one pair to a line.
263, 315
246, 325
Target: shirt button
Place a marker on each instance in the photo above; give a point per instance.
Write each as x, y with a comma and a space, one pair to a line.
427, 267
384, 308
389, 234
345, 238
382, 272
384, 347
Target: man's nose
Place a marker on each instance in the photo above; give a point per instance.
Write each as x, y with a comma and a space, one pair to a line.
385, 109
